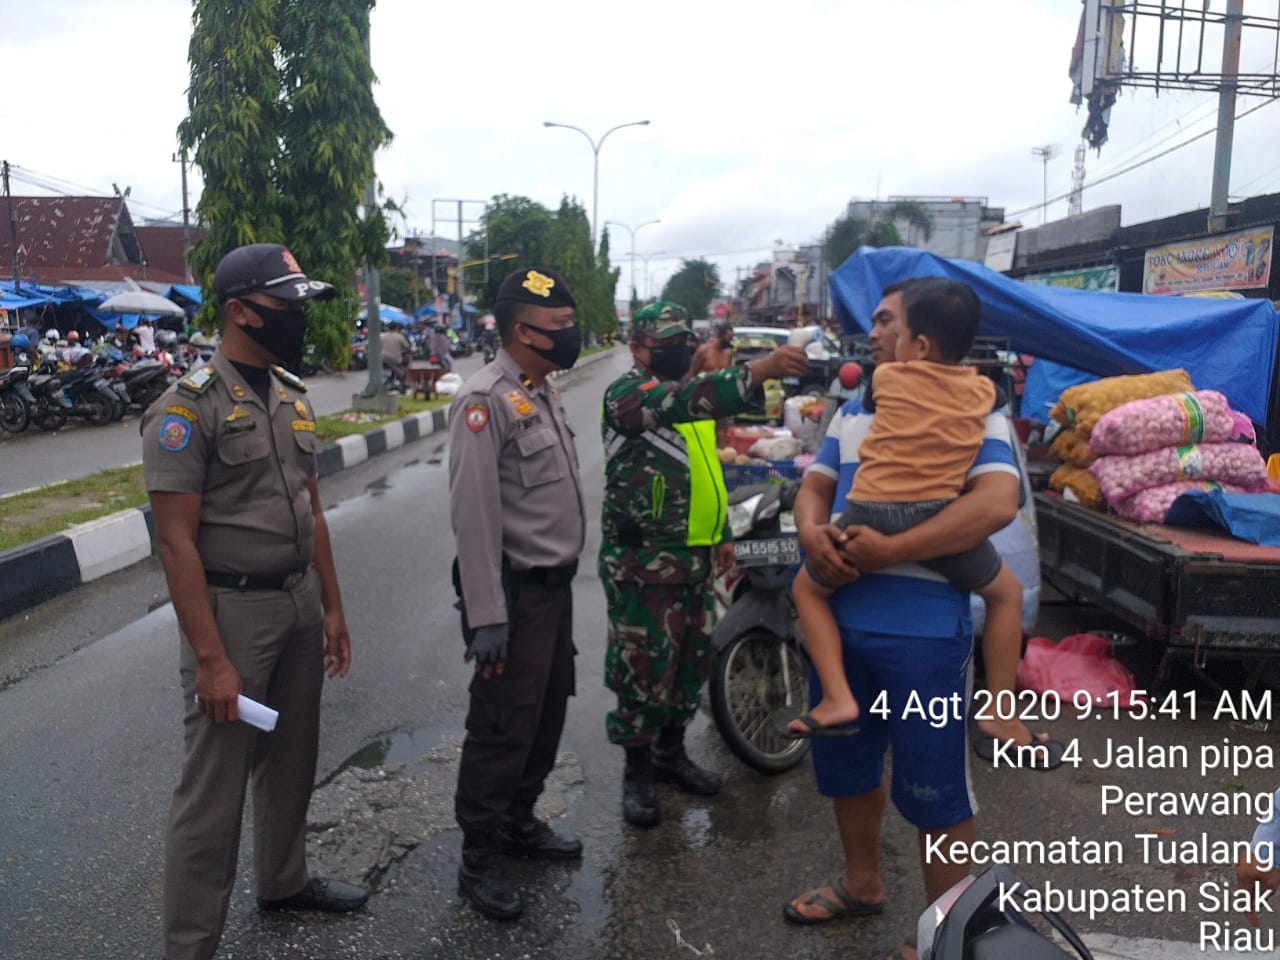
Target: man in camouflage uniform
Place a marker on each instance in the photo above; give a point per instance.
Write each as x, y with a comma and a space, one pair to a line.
665, 515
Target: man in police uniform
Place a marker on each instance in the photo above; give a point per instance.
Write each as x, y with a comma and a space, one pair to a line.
517, 508
229, 463
665, 526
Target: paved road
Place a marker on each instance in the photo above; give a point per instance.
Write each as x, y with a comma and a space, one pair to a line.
34, 458
89, 745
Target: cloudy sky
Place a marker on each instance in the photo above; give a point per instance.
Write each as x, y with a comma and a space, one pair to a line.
765, 117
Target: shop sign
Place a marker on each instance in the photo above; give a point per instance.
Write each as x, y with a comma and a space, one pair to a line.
1094, 278
1232, 261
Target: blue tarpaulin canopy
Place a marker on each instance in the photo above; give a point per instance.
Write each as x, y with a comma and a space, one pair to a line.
186, 291
1225, 345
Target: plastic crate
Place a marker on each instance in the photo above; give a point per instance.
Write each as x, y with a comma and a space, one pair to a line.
775, 471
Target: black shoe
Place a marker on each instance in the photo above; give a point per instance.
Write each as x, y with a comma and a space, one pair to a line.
482, 880
336, 896
675, 767
639, 796
534, 839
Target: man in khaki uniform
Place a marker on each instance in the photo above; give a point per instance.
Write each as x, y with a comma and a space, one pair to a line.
517, 507
229, 463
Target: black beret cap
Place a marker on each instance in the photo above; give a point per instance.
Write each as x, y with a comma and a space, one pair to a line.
538, 286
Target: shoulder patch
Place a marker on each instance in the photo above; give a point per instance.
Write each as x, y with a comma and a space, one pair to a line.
285, 376
185, 412
175, 433
649, 384
477, 415
199, 381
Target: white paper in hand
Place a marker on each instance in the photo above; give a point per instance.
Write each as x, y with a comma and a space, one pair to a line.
255, 714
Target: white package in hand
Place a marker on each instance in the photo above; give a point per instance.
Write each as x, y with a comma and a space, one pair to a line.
255, 714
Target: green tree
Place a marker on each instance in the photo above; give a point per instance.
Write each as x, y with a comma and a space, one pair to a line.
397, 288
233, 113
693, 286
329, 129
283, 125
513, 225
850, 232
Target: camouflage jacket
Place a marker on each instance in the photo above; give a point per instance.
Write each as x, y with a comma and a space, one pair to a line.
653, 477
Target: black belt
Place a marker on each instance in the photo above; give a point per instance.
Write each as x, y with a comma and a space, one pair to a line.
244, 581
546, 576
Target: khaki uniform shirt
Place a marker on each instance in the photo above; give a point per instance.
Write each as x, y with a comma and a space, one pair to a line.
210, 434
514, 488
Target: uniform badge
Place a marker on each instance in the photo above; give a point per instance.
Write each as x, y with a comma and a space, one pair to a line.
520, 403
198, 381
239, 420
307, 426
648, 385
175, 433
538, 283
182, 412
237, 391
282, 394
300, 408
477, 416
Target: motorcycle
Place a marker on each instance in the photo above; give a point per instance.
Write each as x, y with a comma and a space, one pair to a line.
91, 399
51, 405
143, 382
490, 351
16, 401
979, 919
760, 669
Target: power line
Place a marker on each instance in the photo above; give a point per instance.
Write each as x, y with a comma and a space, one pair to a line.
1140, 163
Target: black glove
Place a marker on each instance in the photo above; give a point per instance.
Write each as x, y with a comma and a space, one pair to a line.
489, 645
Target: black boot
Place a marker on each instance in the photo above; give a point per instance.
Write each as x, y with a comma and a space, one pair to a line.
524, 835
483, 880
639, 796
671, 764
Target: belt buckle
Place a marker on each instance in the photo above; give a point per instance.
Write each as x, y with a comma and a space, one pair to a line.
293, 580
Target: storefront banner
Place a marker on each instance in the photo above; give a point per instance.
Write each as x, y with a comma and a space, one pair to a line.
1232, 261
1094, 278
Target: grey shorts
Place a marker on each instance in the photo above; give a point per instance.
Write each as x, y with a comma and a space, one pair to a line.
971, 570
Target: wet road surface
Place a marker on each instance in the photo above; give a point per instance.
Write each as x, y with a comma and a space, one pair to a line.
90, 742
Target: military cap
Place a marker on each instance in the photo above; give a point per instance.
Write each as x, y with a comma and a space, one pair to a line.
538, 286
660, 320
266, 268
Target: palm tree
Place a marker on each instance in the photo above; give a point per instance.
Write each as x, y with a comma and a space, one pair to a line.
849, 232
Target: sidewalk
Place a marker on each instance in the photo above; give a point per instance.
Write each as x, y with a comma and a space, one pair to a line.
60, 563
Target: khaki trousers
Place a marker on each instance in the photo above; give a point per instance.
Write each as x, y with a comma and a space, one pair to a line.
275, 640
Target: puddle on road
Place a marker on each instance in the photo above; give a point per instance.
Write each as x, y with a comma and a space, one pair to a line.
406, 747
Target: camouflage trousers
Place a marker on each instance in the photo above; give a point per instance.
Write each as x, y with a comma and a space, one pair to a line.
658, 656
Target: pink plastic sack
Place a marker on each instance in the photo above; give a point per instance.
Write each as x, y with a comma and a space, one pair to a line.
1242, 428
1152, 505
1074, 666
1121, 476
1170, 421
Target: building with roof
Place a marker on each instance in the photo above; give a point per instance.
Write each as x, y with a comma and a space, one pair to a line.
64, 240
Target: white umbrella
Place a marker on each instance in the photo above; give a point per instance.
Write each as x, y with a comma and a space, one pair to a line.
141, 301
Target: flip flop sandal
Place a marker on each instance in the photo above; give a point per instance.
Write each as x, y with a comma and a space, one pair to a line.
844, 906
1050, 758
815, 729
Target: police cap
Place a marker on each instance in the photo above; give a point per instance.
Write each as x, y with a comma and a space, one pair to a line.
538, 286
266, 268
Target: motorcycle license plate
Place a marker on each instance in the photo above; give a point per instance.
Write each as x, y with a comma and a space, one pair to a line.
770, 551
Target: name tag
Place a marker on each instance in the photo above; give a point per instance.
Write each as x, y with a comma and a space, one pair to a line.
308, 426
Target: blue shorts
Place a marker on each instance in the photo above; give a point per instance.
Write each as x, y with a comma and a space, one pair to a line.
931, 785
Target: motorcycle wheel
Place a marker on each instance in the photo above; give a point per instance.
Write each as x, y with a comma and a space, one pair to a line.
50, 417
14, 414
95, 408
752, 678
116, 405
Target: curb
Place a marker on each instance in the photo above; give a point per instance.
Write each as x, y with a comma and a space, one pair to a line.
61, 562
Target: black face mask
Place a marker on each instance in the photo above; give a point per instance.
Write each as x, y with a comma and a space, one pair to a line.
282, 332
670, 363
566, 344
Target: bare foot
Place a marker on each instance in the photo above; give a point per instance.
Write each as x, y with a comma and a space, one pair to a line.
828, 713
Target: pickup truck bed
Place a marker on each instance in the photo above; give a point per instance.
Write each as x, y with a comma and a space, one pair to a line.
1199, 592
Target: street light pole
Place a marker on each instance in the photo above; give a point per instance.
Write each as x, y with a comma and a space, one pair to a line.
632, 231
595, 173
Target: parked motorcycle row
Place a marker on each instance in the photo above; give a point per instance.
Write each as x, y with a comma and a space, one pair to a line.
95, 389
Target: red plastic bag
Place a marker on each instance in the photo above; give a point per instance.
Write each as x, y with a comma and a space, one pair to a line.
1080, 662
